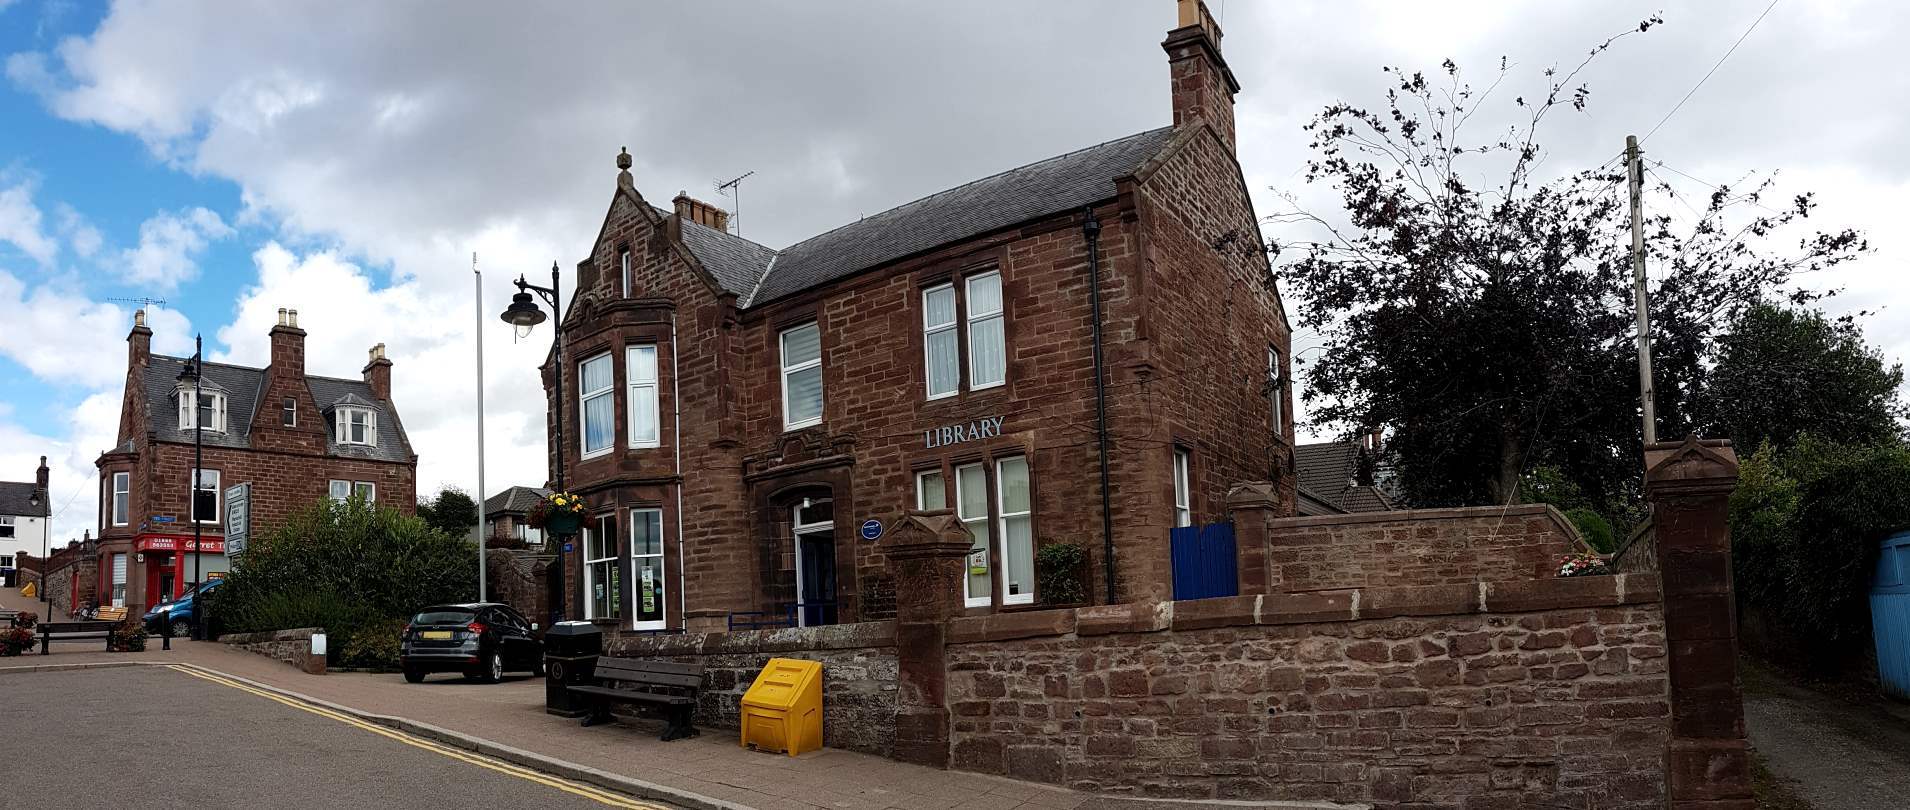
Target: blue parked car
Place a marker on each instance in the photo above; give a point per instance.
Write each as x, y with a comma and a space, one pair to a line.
177, 613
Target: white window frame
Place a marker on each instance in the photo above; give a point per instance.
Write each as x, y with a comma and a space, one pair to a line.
370, 490
6, 560
782, 343
583, 407
1001, 530
189, 410
1183, 501
636, 582
6, 525
975, 319
929, 330
1277, 399
642, 390
591, 563
117, 593
218, 495
121, 509
332, 488
342, 419
921, 492
968, 599
288, 412
623, 259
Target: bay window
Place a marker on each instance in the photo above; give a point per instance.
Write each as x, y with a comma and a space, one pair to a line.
597, 406
802, 376
122, 498
357, 426
206, 408
640, 366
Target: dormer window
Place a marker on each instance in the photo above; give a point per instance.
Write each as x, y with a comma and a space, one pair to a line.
357, 426
210, 410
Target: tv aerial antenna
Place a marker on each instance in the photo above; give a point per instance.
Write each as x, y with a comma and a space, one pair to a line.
143, 302
734, 190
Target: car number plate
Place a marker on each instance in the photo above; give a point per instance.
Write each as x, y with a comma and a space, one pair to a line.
437, 634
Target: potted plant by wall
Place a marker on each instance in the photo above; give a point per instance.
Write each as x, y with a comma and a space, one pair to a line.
1583, 565
559, 513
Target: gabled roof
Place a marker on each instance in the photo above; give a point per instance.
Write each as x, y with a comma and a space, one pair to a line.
759, 275
514, 501
14, 497
242, 386
1327, 471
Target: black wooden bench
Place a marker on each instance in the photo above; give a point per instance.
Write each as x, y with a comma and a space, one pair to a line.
670, 687
74, 631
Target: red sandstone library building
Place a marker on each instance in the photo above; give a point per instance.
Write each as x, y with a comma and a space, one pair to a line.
746, 422
279, 437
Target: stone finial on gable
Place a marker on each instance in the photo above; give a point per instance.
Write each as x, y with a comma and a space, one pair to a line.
623, 168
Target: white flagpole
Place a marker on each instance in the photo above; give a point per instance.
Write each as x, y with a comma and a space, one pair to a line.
478, 280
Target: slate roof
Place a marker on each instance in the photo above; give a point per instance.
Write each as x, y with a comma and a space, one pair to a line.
514, 501
243, 385
1326, 471
14, 496
1309, 504
759, 275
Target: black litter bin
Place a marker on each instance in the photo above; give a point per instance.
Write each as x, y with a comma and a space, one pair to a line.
570, 656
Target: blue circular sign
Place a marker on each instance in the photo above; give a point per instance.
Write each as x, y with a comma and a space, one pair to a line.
871, 529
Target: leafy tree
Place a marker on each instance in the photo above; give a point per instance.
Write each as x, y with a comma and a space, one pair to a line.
1782, 372
1484, 314
452, 512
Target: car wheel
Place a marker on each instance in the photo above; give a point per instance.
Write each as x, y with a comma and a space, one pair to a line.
493, 669
414, 676
181, 628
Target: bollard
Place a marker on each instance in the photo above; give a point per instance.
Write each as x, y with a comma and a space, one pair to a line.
165, 633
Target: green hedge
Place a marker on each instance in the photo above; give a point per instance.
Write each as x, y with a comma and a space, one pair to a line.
1805, 526
347, 567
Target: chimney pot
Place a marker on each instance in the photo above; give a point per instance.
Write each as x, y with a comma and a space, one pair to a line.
701, 213
139, 317
291, 317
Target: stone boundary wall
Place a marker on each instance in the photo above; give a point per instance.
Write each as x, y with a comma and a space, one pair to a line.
859, 668
1537, 693
291, 646
1411, 547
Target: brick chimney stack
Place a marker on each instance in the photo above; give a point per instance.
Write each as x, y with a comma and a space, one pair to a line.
700, 212
41, 479
288, 346
139, 342
378, 373
1203, 87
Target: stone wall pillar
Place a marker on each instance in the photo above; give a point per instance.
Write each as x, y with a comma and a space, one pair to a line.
1253, 506
926, 551
1689, 484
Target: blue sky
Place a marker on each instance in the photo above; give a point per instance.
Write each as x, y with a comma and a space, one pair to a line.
237, 157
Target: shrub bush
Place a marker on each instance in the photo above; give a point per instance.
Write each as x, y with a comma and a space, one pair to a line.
128, 636
374, 646
1805, 527
1596, 530
27, 619
1059, 573
343, 567
15, 640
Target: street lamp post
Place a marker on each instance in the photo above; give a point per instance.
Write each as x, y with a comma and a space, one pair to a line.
524, 314
199, 411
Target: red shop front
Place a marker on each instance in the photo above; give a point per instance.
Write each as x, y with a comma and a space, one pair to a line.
169, 561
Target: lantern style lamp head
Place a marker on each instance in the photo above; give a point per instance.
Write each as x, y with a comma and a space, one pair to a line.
523, 312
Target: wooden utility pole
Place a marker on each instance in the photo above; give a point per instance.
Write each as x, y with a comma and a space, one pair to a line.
1635, 175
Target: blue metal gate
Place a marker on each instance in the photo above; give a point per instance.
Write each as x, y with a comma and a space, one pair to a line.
1890, 615
1204, 561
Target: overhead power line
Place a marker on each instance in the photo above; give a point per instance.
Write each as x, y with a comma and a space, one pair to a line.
1707, 76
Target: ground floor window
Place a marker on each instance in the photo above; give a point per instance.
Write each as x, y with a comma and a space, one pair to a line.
1017, 530
971, 506
813, 527
603, 598
646, 565
999, 515
1183, 504
6, 560
119, 580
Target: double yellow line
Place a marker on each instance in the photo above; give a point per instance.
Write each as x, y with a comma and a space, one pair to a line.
526, 774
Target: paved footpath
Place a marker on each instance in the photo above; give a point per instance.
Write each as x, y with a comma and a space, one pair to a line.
1837, 753
711, 766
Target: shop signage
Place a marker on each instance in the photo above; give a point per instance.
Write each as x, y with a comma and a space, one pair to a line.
987, 427
238, 517
166, 543
871, 529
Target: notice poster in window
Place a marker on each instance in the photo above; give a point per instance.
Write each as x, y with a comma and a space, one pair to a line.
978, 561
649, 591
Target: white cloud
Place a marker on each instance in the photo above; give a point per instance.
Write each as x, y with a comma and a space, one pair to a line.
73, 481
80, 234
169, 246
20, 223
66, 338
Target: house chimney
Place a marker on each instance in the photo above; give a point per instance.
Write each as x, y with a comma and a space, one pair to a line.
700, 212
378, 373
288, 345
1203, 88
40, 481
139, 342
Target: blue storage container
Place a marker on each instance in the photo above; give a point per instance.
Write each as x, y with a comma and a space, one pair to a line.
1890, 615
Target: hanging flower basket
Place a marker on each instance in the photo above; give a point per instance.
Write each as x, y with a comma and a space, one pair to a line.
560, 513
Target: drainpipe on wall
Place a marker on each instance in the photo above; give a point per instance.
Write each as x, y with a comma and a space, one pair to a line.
676, 449
1091, 230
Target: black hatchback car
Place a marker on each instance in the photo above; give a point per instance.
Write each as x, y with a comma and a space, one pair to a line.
483, 640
